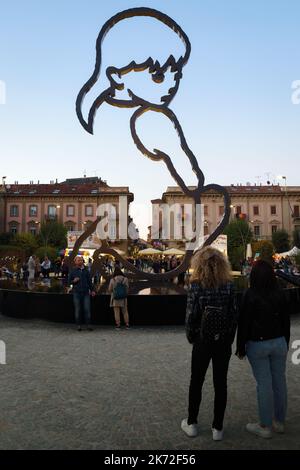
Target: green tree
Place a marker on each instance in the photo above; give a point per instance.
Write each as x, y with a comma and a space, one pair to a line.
25, 241
54, 234
235, 255
6, 238
296, 238
239, 234
49, 251
280, 240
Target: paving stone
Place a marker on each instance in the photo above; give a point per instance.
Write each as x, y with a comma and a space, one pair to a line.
62, 389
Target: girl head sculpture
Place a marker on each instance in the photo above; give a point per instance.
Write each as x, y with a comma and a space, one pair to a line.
153, 67
118, 93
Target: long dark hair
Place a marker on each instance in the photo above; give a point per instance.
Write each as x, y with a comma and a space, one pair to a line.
262, 276
118, 272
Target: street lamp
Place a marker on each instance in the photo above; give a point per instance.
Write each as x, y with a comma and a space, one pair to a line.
231, 211
286, 193
58, 207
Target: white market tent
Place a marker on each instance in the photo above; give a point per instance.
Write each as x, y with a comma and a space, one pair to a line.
174, 251
293, 252
149, 252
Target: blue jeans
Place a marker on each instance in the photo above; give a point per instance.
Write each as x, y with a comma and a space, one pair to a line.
268, 362
82, 300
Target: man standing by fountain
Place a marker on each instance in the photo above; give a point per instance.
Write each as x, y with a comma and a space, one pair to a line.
82, 288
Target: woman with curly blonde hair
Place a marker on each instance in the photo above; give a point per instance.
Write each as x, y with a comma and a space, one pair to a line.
211, 268
211, 320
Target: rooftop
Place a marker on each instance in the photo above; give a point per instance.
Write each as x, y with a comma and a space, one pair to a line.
78, 186
241, 189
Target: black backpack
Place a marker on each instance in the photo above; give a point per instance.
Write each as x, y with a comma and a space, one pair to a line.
216, 324
208, 319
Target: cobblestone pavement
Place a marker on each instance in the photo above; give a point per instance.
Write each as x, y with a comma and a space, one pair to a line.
106, 389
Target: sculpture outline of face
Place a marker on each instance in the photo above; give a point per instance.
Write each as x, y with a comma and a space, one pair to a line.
157, 74
156, 70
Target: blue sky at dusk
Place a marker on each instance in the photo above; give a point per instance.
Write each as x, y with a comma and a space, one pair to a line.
234, 101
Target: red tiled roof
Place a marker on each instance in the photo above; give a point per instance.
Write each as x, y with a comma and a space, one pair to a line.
235, 189
62, 189
254, 189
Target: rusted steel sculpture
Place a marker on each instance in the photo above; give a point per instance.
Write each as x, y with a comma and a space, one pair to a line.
157, 71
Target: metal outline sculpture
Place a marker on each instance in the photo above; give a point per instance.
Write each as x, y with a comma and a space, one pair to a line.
144, 106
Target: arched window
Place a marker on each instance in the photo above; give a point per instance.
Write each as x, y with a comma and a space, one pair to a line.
70, 226
14, 227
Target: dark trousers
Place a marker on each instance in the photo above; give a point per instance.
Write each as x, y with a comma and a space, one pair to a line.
201, 356
45, 272
82, 301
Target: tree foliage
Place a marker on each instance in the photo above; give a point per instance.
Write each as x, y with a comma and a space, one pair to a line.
54, 234
280, 240
6, 238
25, 241
239, 234
49, 251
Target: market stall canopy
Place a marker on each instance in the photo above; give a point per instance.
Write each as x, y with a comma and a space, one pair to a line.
249, 251
174, 251
293, 252
149, 252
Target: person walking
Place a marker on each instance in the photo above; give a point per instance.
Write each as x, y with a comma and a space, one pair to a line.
81, 281
263, 336
211, 320
118, 287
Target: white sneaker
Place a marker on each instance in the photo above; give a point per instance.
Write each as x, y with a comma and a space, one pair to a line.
217, 435
258, 430
190, 430
278, 427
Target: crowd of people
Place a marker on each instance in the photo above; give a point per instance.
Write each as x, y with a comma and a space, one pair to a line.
287, 265
152, 264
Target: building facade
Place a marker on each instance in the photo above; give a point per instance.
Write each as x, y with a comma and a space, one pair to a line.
74, 202
266, 209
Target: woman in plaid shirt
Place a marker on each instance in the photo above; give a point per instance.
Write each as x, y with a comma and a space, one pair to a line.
211, 320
